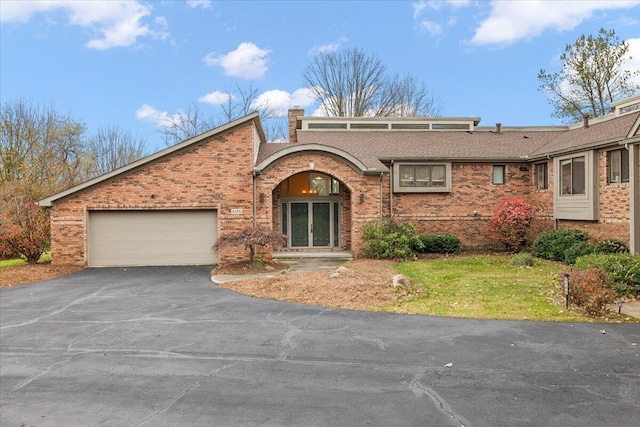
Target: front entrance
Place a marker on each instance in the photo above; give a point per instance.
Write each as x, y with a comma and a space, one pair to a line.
314, 224
310, 205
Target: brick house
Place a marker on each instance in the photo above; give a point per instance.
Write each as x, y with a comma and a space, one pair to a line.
445, 175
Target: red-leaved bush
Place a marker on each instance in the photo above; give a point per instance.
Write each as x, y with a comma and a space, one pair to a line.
589, 290
511, 222
25, 231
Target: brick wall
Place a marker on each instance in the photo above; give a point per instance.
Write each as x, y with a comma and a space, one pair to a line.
471, 191
212, 174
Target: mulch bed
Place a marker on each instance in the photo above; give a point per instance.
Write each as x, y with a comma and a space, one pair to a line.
31, 273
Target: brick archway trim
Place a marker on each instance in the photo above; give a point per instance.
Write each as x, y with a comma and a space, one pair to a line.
355, 163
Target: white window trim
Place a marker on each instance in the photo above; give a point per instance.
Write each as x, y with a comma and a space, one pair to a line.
577, 206
396, 178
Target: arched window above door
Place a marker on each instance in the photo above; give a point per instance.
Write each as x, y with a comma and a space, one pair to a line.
309, 184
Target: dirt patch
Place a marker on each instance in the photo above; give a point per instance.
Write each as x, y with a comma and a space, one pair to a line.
30, 273
360, 284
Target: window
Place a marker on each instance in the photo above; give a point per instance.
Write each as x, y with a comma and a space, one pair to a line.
542, 176
422, 177
617, 166
575, 186
572, 176
309, 184
498, 174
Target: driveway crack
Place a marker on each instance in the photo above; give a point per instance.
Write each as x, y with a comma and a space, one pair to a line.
420, 389
180, 395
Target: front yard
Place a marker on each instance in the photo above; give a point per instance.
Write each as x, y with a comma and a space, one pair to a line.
482, 287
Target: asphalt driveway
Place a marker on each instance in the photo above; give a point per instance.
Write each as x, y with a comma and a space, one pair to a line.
165, 347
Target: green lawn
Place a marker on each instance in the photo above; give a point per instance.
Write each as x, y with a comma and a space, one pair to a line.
488, 287
14, 262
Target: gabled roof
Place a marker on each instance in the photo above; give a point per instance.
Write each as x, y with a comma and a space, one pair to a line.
253, 117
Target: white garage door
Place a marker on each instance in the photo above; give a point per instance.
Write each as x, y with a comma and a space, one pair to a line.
137, 238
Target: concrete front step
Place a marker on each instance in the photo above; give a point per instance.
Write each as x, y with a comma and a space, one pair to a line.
312, 254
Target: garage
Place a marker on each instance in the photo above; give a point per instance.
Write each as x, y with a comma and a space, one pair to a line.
151, 238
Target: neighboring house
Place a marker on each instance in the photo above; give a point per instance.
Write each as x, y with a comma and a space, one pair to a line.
445, 175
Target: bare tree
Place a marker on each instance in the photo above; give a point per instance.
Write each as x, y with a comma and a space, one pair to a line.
39, 145
409, 97
592, 77
111, 148
238, 102
352, 83
185, 125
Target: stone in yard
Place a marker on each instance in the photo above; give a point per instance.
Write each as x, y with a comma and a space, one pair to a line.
401, 281
334, 275
342, 270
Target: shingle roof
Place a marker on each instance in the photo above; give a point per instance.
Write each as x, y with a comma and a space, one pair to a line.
601, 133
372, 147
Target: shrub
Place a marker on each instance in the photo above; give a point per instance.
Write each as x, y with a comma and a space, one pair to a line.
390, 239
522, 260
250, 237
610, 246
553, 243
440, 244
25, 231
622, 269
588, 289
511, 222
577, 250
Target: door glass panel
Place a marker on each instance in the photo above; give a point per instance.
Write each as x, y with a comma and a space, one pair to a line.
336, 225
285, 225
299, 224
321, 224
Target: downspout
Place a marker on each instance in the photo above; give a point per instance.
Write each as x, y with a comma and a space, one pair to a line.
255, 211
391, 190
634, 197
381, 176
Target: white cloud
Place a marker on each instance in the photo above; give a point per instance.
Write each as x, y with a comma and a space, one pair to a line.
216, 98
431, 27
159, 118
424, 14
112, 23
248, 61
511, 21
633, 64
279, 101
327, 48
205, 4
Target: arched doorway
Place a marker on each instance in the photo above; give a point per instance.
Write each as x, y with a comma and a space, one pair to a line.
311, 210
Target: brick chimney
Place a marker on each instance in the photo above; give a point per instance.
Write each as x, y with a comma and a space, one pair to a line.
585, 121
498, 127
293, 122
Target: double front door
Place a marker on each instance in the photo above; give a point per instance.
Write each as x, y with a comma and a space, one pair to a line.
312, 224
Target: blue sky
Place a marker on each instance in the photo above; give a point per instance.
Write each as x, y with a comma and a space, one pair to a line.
133, 64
